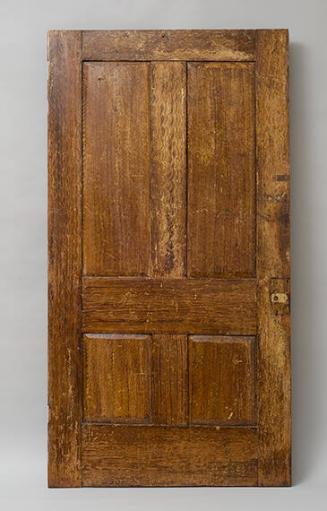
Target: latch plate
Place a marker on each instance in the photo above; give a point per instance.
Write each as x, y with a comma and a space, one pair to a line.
279, 291
279, 298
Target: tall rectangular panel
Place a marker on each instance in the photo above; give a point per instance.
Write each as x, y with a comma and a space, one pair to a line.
116, 174
221, 162
168, 170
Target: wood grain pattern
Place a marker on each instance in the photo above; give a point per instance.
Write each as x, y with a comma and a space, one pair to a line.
170, 379
176, 306
158, 456
273, 257
64, 218
116, 182
168, 175
221, 156
222, 380
224, 45
169, 258
117, 378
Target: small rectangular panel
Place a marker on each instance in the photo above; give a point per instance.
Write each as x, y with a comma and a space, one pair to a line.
174, 456
222, 380
221, 159
177, 306
170, 379
116, 182
168, 45
117, 378
168, 176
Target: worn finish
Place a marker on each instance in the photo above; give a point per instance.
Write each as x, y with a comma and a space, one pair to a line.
170, 379
273, 256
116, 174
224, 45
169, 290
222, 380
159, 456
117, 378
221, 166
168, 176
169, 306
64, 220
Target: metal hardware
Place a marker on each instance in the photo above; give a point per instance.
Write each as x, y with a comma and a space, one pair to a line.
279, 298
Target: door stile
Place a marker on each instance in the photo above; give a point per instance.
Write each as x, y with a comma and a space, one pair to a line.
65, 258
273, 258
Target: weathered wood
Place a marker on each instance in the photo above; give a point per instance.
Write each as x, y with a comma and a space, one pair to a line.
214, 45
159, 456
221, 166
64, 217
222, 380
170, 379
117, 378
171, 173
116, 176
177, 306
273, 257
168, 174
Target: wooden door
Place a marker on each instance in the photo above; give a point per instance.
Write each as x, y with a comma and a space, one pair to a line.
169, 333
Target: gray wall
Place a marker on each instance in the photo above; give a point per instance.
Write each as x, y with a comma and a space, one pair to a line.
23, 363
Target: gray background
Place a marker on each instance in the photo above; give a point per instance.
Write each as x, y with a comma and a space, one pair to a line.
23, 362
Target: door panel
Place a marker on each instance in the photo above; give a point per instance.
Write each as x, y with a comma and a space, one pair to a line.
222, 380
168, 258
221, 169
116, 170
134, 189
117, 378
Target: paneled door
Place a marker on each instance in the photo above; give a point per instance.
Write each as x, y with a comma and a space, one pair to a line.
169, 336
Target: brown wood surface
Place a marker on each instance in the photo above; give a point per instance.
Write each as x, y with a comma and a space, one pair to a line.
168, 176
169, 306
116, 175
117, 378
170, 379
223, 45
64, 217
159, 456
222, 380
273, 258
221, 167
